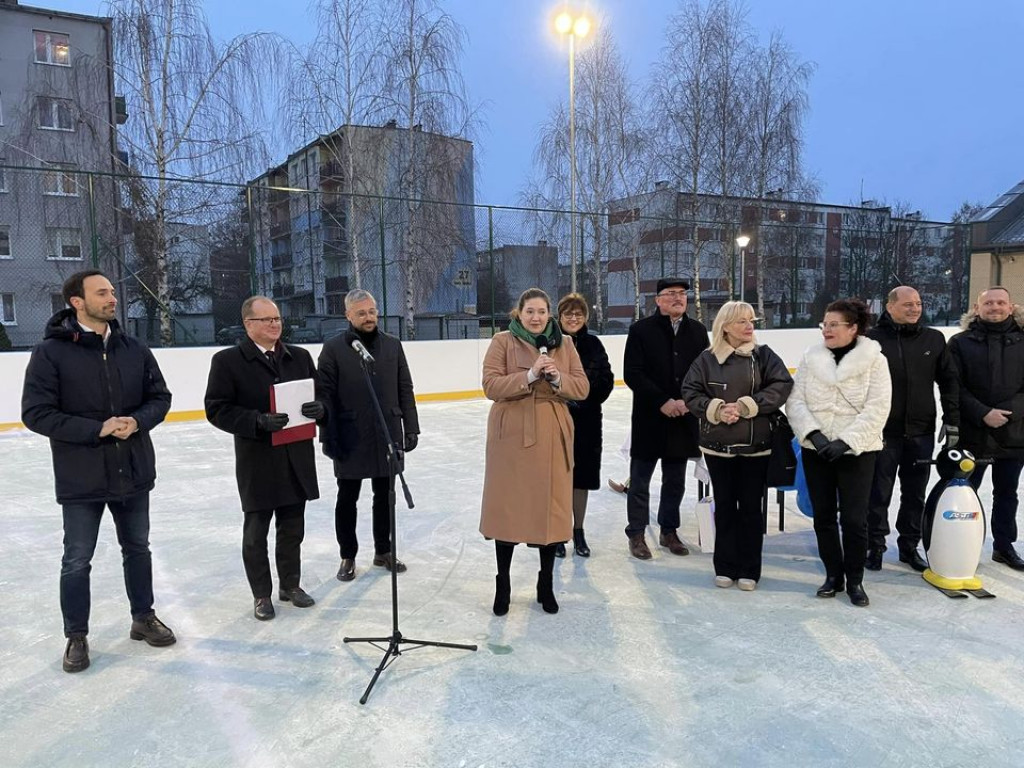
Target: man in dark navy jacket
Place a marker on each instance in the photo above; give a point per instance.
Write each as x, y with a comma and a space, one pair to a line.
659, 351
97, 393
274, 481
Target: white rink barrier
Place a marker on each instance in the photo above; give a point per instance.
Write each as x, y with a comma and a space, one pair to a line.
441, 370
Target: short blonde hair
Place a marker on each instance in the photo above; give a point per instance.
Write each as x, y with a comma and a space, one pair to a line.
730, 312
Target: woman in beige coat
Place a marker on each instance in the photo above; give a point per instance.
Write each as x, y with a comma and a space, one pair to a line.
530, 372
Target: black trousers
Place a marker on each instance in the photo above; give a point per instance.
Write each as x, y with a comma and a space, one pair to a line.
849, 479
345, 515
638, 497
290, 529
1005, 479
738, 485
899, 456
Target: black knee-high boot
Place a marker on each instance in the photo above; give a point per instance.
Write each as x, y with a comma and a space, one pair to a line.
503, 552
545, 590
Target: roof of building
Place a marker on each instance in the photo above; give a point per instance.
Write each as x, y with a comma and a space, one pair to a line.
1001, 224
105, 20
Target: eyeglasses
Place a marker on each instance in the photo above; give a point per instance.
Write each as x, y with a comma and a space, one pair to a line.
673, 294
831, 326
265, 320
573, 315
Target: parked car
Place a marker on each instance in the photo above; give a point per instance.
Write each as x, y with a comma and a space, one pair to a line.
301, 335
230, 334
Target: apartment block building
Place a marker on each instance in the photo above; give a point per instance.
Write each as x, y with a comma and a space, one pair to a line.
384, 208
58, 115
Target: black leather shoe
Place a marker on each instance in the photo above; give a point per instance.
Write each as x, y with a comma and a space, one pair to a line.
913, 558
389, 561
1008, 557
502, 594
831, 587
546, 593
347, 571
579, 543
873, 561
264, 609
296, 596
76, 654
153, 631
671, 540
857, 595
560, 549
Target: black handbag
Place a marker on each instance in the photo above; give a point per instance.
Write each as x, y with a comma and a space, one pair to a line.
782, 461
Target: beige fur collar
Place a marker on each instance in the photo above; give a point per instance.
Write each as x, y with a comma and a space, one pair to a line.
723, 349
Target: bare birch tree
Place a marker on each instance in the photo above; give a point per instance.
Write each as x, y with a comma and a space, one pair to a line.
424, 92
195, 113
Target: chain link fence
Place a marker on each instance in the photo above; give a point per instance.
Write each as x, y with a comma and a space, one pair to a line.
185, 254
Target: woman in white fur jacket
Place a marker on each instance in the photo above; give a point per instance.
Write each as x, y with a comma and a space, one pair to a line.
838, 407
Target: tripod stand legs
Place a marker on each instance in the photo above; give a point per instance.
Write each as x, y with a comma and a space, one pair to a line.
394, 649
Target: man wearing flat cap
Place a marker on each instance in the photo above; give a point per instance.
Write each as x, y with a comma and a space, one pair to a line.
659, 351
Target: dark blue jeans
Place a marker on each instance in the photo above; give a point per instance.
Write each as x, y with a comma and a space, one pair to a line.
638, 498
81, 529
1005, 476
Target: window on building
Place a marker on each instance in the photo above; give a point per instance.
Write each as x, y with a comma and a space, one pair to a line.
54, 114
3, 176
5, 241
57, 302
63, 243
60, 180
7, 316
52, 48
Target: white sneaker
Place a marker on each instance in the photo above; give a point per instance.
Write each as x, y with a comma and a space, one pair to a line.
723, 581
747, 585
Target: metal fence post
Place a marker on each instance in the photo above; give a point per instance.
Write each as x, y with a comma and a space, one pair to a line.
490, 256
384, 274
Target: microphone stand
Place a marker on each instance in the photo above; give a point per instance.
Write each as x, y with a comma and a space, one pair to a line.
395, 640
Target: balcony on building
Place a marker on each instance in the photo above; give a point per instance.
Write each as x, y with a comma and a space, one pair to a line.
283, 291
281, 260
280, 230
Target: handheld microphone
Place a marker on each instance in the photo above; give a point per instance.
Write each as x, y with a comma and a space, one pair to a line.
353, 341
542, 347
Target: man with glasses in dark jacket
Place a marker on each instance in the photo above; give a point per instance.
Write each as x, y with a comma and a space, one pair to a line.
97, 394
918, 360
659, 351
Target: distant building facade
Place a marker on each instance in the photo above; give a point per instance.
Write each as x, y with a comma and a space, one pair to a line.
505, 272
997, 245
57, 111
812, 254
384, 208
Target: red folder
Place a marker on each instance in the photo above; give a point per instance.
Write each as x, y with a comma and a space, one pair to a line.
290, 434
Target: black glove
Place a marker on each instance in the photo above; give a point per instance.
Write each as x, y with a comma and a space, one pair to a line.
314, 409
818, 440
411, 441
833, 450
952, 437
271, 422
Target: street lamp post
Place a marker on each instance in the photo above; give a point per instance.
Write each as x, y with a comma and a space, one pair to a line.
575, 26
743, 241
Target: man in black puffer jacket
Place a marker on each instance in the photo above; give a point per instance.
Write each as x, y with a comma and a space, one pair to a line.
97, 393
918, 360
989, 358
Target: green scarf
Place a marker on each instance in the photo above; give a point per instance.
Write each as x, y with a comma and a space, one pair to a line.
553, 332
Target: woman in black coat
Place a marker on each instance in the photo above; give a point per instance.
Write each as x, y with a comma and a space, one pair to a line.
586, 414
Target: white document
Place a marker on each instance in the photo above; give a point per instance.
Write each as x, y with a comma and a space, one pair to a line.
289, 397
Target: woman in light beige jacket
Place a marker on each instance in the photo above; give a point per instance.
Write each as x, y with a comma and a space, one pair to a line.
528, 473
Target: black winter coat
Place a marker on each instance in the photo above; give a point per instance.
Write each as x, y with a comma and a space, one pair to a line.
655, 362
237, 392
352, 437
586, 414
760, 381
72, 386
990, 363
918, 360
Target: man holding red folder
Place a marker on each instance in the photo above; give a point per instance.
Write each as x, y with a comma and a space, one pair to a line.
274, 480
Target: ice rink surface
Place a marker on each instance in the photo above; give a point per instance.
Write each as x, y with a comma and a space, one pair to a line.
647, 664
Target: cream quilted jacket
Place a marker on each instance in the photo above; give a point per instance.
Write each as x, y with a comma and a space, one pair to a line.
848, 402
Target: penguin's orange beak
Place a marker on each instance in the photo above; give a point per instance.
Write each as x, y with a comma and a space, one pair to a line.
966, 465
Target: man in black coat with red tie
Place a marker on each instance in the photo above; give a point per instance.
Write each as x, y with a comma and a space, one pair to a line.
273, 481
